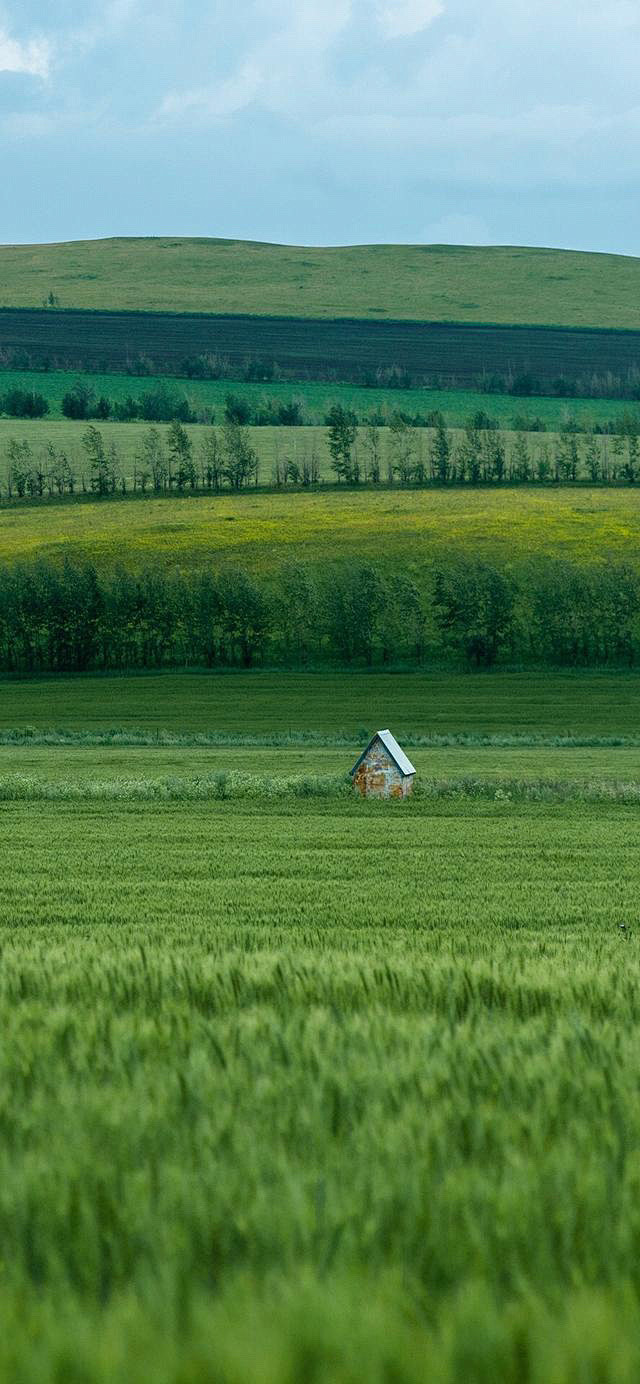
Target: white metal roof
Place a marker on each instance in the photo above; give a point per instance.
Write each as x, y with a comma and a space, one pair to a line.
391, 745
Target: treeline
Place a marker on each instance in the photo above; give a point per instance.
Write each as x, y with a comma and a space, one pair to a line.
467, 612
23, 403
164, 404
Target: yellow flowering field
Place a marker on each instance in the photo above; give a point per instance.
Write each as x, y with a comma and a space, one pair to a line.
260, 530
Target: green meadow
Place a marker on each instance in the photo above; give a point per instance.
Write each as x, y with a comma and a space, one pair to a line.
410, 282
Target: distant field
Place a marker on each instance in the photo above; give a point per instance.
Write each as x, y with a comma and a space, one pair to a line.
261, 704
316, 399
413, 282
460, 354
261, 531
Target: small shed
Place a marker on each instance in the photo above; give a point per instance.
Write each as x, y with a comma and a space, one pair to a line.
383, 770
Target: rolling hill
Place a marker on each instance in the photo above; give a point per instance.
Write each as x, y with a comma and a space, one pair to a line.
418, 283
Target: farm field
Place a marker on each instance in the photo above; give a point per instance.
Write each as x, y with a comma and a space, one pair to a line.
440, 283
316, 399
345, 704
328, 1091
261, 531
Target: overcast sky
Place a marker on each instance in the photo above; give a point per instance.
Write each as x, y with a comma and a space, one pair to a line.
323, 121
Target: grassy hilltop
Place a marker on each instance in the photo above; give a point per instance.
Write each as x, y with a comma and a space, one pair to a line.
501, 284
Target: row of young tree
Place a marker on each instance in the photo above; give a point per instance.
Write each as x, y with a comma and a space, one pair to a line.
169, 461
465, 612
173, 460
477, 455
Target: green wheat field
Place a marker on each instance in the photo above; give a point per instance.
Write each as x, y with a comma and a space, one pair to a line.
300, 1087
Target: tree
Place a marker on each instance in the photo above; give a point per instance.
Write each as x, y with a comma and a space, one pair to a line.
151, 459
520, 458
298, 610
543, 464
568, 455
20, 463
401, 448
59, 470
441, 452
343, 428
473, 606
212, 461
240, 461
100, 466
355, 600
373, 453
76, 403
182, 467
237, 410
631, 462
470, 454
592, 458
245, 615
24, 403
495, 460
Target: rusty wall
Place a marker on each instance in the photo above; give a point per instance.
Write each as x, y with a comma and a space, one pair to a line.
377, 776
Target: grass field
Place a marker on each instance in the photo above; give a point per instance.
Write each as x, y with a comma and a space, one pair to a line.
261, 531
457, 405
319, 1092
262, 704
424, 283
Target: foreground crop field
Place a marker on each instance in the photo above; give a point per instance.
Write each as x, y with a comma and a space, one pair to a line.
440, 283
259, 531
322, 1091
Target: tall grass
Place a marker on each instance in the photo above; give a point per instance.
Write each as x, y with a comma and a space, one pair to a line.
127, 737
239, 785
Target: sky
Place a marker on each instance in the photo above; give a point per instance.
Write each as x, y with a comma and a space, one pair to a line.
322, 121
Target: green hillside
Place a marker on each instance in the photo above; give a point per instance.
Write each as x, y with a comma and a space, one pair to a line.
411, 282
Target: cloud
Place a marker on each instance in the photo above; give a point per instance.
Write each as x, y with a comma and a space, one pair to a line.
32, 58
215, 102
286, 69
333, 106
402, 18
